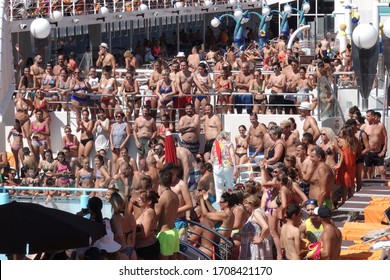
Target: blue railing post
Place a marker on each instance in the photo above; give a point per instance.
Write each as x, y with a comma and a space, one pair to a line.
84, 200
4, 196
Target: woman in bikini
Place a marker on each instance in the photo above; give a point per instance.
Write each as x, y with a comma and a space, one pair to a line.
63, 172
22, 106
270, 202
41, 103
48, 85
70, 140
223, 85
123, 225
129, 89
165, 90
46, 166
27, 83
17, 144
203, 86
164, 127
102, 177
64, 86
241, 152
80, 88
257, 88
147, 245
40, 132
86, 139
224, 218
331, 148
85, 176
108, 88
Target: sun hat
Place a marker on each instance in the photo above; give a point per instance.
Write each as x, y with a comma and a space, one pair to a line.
107, 242
103, 45
305, 106
181, 54
323, 212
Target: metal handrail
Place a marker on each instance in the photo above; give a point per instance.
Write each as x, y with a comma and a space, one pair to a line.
226, 240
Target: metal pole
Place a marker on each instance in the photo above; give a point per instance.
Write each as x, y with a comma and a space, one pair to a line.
177, 34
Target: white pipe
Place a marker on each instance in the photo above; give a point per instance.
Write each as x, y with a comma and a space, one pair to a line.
296, 32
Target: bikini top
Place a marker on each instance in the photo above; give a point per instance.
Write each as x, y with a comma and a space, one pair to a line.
223, 86
16, 133
98, 175
108, 85
50, 82
86, 176
38, 129
42, 104
68, 143
80, 86
166, 90
48, 167
63, 85
62, 167
329, 151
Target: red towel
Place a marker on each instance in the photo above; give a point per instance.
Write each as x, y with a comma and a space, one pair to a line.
219, 152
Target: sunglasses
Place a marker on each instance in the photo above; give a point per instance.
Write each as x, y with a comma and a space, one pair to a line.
311, 201
323, 134
118, 116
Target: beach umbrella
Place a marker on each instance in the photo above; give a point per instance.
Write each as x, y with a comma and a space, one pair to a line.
32, 228
170, 148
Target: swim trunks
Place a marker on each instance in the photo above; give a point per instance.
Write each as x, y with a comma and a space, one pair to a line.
373, 159
169, 242
193, 179
193, 147
144, 146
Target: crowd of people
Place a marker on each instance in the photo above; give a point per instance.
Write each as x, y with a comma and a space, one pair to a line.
152, 199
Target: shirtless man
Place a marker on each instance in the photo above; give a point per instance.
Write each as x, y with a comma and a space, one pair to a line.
331, 236
184, 81
124, 157
105, 58
180, 188
144, 129
324, 46
36, 70
281, 45
290, 236
256, 137
212, 127
152, 172
126, 178
310, 124
60, 65
193, 59
277, 83
189, 127
242, 80
231, 55
321, 178
289, 138
377, 141
166, 211
268, 53
292, 76
191, 172
153, 80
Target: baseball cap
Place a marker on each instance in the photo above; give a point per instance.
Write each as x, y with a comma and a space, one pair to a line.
104, 45
323, 212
